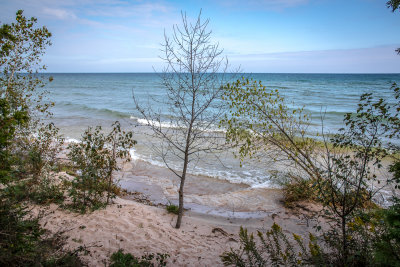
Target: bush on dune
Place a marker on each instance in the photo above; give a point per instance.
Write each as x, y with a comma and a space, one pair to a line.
95, 160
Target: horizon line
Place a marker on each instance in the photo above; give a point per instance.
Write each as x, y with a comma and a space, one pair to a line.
144, 72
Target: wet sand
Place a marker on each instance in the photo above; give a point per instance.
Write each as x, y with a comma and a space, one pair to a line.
202, 194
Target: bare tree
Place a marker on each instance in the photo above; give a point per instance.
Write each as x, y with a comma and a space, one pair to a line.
193, 78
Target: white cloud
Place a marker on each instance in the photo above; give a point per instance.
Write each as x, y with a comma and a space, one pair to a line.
262, 4
381, 59
59, 13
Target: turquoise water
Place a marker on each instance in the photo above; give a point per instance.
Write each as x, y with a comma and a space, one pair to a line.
109, 96
92, 99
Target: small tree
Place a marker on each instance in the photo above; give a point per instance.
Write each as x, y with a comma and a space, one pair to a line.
342, 169
260, 123
95, 158
43, 149
22, 45
193, 79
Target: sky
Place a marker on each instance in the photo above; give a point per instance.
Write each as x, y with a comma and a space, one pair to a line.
272, 36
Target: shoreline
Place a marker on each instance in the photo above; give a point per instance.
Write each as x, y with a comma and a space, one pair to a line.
203, 194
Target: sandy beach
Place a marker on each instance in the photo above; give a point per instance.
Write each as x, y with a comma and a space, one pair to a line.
210, 224
138, 229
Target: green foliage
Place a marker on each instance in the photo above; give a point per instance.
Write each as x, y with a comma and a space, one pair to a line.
393, 4
46, 191
95, 159
171, 208
260, 121
387, 245
43, 149
26, 150
274, 249
22, 45
121, 259
24, 243
367, 247
8, 123
298, 189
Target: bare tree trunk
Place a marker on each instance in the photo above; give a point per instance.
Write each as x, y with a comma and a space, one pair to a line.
110, 173
344, 237
181, 186
184, 171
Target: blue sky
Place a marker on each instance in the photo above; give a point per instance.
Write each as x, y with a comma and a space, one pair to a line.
330, 36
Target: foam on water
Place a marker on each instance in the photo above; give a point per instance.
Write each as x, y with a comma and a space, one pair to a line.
163, 124
72, 140
85, 98
255, 179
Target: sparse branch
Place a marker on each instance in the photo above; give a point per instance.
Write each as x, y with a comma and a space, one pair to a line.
194, 84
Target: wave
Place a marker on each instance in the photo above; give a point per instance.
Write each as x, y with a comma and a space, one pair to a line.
99, 111
154, 123
254, 179
164, 124
72, 140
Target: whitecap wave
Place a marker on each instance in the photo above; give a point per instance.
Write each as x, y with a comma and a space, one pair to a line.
253, 179
164, 124
71, 140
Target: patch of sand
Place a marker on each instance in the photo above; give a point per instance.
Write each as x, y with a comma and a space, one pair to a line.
138, 229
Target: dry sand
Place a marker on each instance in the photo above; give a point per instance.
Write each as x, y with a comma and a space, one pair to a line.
138, 228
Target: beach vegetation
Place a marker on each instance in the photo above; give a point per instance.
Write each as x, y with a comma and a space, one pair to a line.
95, 160
193, 78
342, 176
22, 45
24, 243
394, 5
274, 248
43, 149
121, 259
297, 189
26, 151
171, 208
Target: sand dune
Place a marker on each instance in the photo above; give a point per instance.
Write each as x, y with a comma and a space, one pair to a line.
138, 229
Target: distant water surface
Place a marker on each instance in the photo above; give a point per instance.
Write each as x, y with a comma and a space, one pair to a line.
83, 99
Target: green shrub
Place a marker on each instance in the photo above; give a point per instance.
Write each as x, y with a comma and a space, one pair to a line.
43, 191
298, 189
24, 243
171, 208
46, 192
26, 149
121, 259
95, 160
42, 150
274, 249
373, 239
387, 246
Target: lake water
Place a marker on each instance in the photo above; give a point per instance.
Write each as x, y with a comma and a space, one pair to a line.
83, 100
